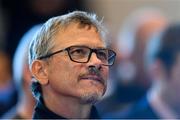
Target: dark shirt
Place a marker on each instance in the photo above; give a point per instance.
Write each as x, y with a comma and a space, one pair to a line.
42, 112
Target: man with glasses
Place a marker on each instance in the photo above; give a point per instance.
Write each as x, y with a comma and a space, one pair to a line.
69, 61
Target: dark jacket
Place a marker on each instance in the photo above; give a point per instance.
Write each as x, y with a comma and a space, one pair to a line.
42, 112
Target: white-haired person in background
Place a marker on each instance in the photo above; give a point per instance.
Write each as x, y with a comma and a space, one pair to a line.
22, 78
162, 100
129, 79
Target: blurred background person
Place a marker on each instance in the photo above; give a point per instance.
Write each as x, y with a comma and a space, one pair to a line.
8, 93
22, 15
162, 100
16, 17
128, 76
22, 77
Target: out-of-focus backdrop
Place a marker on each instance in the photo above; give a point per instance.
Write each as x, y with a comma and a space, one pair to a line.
131, 25
115, 11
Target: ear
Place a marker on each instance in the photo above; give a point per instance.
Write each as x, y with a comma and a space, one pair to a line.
39, 70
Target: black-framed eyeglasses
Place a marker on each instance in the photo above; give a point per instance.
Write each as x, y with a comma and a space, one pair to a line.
82, 54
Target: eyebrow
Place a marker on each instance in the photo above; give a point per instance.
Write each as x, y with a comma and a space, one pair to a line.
92, 47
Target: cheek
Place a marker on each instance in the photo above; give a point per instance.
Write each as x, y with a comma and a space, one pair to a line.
63, 77
62, 71
71, 72
106, 72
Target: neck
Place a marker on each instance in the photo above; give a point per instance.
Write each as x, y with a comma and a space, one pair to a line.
66, 106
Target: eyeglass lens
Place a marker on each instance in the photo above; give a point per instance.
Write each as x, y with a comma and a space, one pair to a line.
83, 54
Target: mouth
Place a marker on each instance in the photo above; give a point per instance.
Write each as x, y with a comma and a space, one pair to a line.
93, 77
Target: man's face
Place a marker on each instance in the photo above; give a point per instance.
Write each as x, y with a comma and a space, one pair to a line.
68, 78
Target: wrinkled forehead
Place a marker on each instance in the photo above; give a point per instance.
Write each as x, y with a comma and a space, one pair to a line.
75, 34
77, 26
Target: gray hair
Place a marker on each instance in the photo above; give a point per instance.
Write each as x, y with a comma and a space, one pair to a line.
43, 42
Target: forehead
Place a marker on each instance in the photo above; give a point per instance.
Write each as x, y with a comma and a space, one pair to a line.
76, 35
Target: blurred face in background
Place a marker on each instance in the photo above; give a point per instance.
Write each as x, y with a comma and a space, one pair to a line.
133, 63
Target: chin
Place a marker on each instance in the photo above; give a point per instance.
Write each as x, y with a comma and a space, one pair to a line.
91, 98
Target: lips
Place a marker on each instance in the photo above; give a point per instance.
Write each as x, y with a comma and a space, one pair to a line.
92, 77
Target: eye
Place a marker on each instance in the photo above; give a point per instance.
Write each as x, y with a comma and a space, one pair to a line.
102, 54
79, 52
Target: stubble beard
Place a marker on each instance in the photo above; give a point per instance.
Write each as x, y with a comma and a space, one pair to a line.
91, 98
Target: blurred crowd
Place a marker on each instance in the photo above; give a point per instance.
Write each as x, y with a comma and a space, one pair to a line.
143, 83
